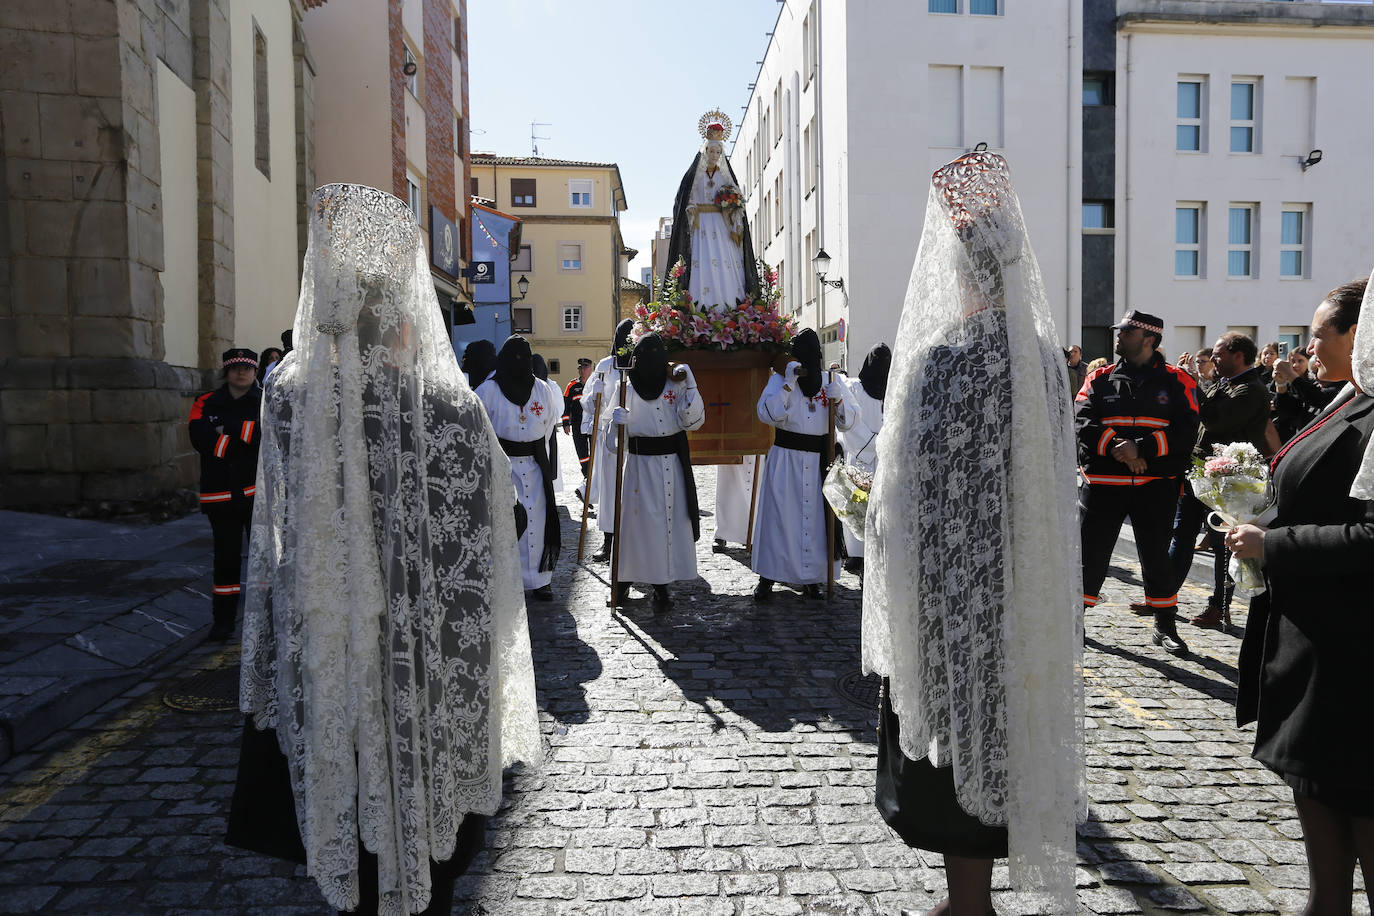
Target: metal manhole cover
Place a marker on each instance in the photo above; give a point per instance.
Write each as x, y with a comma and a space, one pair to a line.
859, 688
216, 690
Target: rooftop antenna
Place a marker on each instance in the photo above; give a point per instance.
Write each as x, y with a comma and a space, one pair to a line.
535, 138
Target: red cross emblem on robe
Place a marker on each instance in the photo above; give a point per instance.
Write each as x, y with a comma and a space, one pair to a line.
537, 408
670, 396
820, 396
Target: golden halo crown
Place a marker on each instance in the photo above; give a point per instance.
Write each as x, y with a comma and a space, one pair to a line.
714, 125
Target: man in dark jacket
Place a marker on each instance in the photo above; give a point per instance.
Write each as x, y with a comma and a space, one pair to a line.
1136, 422
1234, 407
572, 420
223, 427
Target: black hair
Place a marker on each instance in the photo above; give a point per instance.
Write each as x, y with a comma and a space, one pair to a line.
1345, 304
1236, 342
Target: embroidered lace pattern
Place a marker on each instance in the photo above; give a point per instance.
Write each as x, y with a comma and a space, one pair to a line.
384, 634
1362, 361
972, 607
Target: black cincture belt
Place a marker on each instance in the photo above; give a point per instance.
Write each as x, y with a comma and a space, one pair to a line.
655, 445
521, 449
800, 442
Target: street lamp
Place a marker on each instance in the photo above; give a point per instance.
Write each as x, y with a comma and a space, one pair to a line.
821, 262
523, 284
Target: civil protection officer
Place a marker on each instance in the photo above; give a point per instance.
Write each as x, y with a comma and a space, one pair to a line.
224, 429
1136, 420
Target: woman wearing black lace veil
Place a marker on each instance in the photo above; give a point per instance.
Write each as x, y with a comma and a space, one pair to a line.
971, 602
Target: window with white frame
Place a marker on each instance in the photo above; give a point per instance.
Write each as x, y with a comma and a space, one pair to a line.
944, 6
580, 193
814, 150
809, 287
983, 7
806, 47
569, 255
1244, 103
777, 203
572, 319
1097, 215
1189, 133
1188, 240
409, 60
808, 173
777, 106
1293, 234
1240, 240
414, 198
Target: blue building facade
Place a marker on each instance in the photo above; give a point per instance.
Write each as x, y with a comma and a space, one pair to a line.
495, 243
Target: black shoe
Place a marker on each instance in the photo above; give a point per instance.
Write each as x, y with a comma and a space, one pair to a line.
812, 590
718, 546
661, 596
604, 554
763, 592
1170, 642
542, 593
854, 565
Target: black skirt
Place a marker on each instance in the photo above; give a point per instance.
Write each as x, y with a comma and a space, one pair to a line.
262, 818
917, 800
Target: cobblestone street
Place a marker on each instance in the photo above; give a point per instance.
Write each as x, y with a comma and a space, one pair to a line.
717, 758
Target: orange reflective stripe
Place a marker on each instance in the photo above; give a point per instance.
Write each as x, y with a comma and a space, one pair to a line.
1090, 600
216, 497
1102, 443
1117, 480
1155, 422
1162, 442
1171, 601
249, 491
246, 433
221, 446
227, 589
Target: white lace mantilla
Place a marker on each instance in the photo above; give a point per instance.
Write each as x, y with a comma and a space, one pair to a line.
384, 633
972, 606
1362, 362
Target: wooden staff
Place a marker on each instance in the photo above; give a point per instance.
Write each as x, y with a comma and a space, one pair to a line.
619, 481
753, 501
591, 467
829, 513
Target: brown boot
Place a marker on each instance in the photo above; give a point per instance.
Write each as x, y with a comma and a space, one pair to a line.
1209, 619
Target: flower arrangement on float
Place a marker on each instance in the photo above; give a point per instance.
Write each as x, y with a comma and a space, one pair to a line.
753, 324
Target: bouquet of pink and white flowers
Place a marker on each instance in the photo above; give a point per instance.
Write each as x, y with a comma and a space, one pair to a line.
846, 488
687, 325
1234, 484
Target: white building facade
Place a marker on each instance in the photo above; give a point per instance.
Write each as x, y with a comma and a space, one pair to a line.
1221, 221
856, 103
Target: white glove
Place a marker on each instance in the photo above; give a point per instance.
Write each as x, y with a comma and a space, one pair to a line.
793, 371
835, 391
688, 378
620, 416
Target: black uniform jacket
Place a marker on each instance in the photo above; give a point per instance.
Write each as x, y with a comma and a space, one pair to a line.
224, 429
1156, 408
1236, 411
572, 406
1305, 664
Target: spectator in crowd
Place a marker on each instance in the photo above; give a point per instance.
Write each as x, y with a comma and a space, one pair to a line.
267, 361
1268, 355
1206, 370
1078, 370
572, 420
1305, 673
479, 359
224, 429
386, 671
1297, 396
1136, 421
1234, 407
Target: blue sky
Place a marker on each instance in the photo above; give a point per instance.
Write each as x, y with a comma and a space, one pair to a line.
619, 81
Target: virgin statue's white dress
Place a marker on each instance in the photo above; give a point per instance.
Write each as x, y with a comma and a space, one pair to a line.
717, 270
789, 522
656, 546
860, 443
734, 493
601, 488
535, 419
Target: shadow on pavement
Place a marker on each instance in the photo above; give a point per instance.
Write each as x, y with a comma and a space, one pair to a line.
1192, 679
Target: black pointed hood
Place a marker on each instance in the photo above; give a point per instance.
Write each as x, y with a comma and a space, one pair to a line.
873, 375
649, 374
479, 357
806, 349
514, 370
540, 367
622, 335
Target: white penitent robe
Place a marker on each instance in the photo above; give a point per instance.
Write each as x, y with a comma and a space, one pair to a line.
717, 270
601, 488
656, 545
860, 443
734, 493
524, 423
555, 396
789, 521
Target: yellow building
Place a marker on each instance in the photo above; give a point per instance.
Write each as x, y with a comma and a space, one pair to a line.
570, 249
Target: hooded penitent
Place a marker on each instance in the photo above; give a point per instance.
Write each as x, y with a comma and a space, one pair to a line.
649, 374
384, 634
515, 370
540, 367
873, 375
806, 349
622, 336
478, 359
